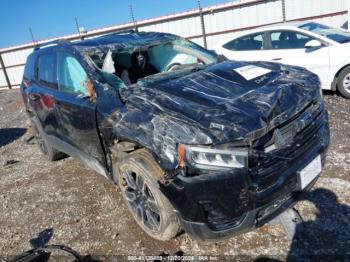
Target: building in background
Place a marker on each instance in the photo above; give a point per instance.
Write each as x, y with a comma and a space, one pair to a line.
207, 26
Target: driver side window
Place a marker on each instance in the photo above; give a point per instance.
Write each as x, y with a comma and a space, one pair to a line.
71, 75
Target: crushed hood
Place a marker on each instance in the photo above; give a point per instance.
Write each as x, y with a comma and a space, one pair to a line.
227, 101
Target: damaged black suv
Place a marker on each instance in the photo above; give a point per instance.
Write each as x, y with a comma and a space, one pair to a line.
212, 147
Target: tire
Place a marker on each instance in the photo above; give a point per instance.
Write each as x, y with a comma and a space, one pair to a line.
343, 82
46, 149
137, 176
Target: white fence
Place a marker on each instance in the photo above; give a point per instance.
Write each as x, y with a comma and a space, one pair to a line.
220, 22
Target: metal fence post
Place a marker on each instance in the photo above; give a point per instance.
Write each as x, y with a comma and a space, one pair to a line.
5, 73
284, 10
202, 24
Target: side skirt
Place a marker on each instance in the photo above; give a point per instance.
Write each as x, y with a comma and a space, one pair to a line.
72, 151
83, 157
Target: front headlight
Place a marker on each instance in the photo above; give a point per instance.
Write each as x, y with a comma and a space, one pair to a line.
206, 157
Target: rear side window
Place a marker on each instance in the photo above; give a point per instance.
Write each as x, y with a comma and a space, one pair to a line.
47, 70
247, 43
71, 74
29, 70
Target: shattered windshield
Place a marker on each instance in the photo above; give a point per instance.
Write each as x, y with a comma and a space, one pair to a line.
139, 64
336, 34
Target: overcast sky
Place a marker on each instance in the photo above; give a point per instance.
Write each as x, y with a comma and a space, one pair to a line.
49, 18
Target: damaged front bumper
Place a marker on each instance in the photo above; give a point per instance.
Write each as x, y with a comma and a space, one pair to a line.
219, 204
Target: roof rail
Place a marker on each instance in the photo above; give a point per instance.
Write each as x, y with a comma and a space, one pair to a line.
126, 31
120, 32
55, 42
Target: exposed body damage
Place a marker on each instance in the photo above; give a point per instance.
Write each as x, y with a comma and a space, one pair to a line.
211, 107
229, 138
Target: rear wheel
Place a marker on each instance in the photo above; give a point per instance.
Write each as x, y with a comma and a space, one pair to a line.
343, 83
137, 179
46, 149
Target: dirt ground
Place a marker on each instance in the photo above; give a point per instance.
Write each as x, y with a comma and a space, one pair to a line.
85, 212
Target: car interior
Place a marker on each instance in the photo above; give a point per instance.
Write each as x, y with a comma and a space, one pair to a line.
144, 61
288, 40
279, 40
246, 43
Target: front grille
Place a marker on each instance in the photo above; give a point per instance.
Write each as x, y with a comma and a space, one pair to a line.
300, 135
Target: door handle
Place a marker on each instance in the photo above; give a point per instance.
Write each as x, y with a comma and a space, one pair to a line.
34, 97
276, 59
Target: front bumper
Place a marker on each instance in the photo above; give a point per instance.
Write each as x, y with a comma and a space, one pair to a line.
250, 220
219, 204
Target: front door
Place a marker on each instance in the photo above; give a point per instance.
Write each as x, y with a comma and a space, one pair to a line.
77, 112
288, 47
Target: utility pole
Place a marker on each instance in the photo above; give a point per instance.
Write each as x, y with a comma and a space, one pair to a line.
77, 24
31, 35
81, 30
202, 24
133, 17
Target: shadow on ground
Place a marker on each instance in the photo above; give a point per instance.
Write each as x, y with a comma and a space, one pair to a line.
315, 239
8, 135
318, 237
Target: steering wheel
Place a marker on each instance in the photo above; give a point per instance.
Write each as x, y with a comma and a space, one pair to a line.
172, 67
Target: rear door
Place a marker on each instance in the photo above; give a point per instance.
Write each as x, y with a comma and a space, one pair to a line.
288, 47
78, 128
41, 90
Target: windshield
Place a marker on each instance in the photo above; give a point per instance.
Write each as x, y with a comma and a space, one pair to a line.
336, 34
136, 63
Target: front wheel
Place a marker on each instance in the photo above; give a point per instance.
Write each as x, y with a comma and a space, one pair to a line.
137, 179
343, 83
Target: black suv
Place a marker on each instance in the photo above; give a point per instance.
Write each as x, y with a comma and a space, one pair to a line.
194, 142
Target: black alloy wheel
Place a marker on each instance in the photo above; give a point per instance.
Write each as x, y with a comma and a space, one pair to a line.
139, 177
141, 200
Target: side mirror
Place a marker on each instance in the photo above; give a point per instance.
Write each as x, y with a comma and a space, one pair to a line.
313, 44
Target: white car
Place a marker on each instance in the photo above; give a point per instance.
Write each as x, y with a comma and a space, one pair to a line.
321, 49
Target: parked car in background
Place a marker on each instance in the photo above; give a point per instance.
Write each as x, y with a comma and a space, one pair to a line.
322, 49
213, 147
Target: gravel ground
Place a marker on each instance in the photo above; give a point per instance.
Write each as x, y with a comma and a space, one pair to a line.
85, 212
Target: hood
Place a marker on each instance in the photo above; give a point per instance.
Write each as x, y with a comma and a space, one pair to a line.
229, 101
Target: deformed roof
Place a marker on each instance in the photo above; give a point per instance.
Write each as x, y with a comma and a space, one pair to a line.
126, 40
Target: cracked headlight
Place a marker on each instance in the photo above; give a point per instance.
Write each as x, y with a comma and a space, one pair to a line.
206, 157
